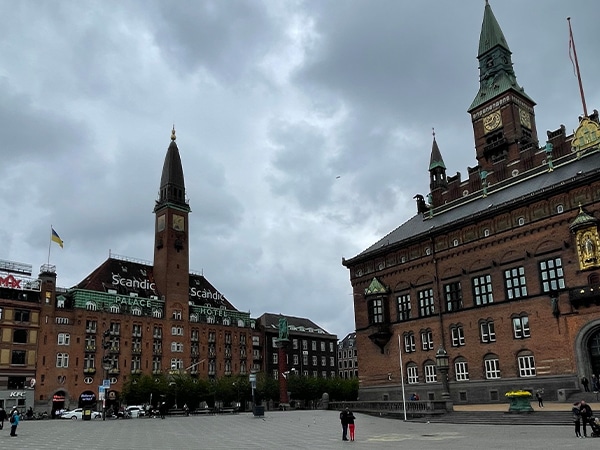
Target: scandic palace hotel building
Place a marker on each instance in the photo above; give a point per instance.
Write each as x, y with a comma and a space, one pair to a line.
130, 317
499, 270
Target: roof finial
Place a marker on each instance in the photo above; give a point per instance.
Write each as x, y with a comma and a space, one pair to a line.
433, 132
173, 133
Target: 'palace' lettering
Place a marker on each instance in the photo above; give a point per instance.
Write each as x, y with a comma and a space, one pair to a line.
133, 301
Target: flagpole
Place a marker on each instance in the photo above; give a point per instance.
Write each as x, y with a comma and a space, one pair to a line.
572, 45
50, 244
402, 377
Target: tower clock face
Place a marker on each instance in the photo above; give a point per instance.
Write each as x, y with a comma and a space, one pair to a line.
492, 121
178, 222
160, 223
524, 118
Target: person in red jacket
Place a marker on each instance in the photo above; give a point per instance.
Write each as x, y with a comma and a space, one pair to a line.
351, 419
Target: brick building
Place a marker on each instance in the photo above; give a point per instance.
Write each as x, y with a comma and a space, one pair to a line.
19, 334
130, 317
501, 269
348, 357
311, 351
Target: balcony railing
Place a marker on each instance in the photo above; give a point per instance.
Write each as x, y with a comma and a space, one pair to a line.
90, 348
89, 370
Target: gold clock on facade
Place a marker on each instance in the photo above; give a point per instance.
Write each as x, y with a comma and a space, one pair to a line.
178, 222
492, 121
525, 118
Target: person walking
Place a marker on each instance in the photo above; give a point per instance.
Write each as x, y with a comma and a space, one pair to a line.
3, 417
351, 427
585, 383
577, 419
344, 415
540, 399
595, 385
586, 412
14, 422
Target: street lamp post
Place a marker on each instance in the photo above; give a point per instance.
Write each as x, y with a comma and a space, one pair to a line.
442, 364
106, 365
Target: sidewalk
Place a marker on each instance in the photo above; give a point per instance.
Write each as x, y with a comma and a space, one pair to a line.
548, 406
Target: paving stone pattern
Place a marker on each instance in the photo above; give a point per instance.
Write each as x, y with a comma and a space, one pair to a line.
281, 430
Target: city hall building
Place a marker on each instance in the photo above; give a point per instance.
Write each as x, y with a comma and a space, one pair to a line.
126, 318
500, 270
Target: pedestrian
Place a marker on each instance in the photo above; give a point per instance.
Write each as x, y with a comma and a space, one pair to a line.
14, 422
351, 428
577, 419
585, 383
344, 420
586, 412
3, 417
595, 383
540, 399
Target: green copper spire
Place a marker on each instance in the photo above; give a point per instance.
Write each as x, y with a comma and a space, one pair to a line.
491, 34
436, 159
496, 74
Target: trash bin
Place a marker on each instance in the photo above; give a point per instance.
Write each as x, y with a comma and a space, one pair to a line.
258, 410
87, 414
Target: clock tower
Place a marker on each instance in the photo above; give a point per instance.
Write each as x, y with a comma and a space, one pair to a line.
171, 241
502, 113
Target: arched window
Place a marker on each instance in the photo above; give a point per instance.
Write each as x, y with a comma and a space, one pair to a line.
461, 369
412, 373
492, 366
430, 371
526, 364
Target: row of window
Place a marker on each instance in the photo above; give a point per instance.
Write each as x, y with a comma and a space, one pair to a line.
313, 344
515, 283
487, 334
305, 360
491, 364
347, 364
347, 354
315, 374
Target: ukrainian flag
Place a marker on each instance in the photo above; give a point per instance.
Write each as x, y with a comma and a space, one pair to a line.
56, 238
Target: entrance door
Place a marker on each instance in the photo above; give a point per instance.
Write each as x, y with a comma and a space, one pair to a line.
594, 352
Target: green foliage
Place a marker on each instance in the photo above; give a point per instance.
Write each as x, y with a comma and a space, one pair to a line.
183, 389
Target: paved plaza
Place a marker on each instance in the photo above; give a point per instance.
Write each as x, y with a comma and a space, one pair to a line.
282, 430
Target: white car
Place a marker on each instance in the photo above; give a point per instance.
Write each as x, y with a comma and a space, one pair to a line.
78, 414
135, 411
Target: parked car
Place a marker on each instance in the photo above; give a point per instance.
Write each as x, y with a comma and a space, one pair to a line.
135, 411
78, 414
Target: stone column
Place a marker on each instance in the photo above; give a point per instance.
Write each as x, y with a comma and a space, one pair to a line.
283, 373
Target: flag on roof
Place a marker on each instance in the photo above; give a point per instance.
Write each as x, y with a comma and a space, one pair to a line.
56, 238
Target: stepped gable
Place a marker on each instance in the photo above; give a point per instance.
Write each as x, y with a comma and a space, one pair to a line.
202, 293
498, 197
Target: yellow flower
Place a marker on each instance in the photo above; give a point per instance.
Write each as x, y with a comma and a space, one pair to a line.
518, 394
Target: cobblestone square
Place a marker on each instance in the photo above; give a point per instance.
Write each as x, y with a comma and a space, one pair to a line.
278, 430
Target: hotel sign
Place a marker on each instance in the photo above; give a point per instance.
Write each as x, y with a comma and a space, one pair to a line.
17, 282
133, 284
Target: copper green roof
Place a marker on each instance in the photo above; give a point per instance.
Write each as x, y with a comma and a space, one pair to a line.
375, 288
582, 219
491, 34
496, 73
436, 159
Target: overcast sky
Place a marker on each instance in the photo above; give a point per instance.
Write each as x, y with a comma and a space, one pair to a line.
304, 128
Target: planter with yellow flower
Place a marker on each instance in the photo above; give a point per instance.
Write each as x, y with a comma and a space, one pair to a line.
520, 401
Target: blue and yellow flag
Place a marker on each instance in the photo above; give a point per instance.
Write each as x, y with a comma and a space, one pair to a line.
56, 238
